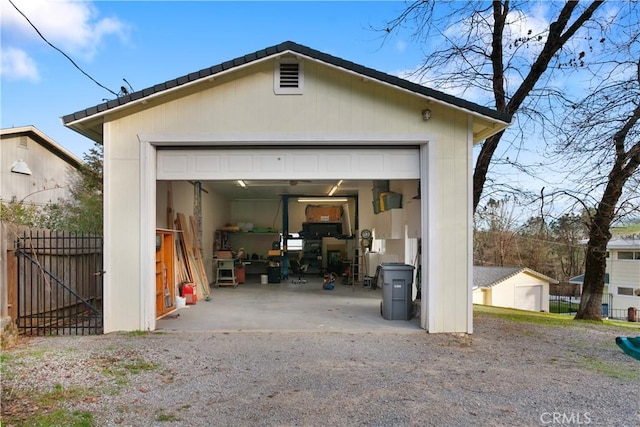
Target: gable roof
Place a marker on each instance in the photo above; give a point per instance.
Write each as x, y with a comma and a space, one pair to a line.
486, 277
620, 243
38, 136
580, 279
624, 243
282, 48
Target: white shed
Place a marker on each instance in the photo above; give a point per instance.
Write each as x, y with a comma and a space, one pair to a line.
288, 113
511, 287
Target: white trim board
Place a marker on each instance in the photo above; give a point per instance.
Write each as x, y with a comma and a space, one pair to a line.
288, 163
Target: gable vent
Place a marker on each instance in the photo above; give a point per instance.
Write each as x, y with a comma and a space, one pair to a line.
288, 77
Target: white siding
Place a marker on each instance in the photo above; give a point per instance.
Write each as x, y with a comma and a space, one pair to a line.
334, 106
522, 291
50, 178
623, 273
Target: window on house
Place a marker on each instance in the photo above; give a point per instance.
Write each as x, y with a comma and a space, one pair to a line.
625, 255
625, 291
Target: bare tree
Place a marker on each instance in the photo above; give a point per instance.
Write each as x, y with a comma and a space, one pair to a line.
603, 139
495, 233
484, 47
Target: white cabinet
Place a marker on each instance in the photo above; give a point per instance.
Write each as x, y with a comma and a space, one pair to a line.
413, 218
390, 224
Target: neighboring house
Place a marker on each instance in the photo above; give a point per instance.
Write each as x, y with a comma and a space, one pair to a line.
34, 169
286, 112
511, 287
622, 279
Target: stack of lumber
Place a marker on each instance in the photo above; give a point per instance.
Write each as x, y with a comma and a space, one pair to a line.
189, 256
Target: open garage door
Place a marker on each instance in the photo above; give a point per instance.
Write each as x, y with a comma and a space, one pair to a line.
288, 163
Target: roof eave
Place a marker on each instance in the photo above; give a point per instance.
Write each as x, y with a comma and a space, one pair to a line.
43, 139
494, 121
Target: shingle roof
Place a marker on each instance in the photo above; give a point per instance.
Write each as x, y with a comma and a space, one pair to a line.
485, 277
301, 50
580, 279
623, 243
44, 140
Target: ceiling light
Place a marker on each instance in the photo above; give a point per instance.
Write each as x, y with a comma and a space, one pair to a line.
322, 199
335, 188
242, 183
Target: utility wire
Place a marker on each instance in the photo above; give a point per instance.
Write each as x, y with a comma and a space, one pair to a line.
65, 55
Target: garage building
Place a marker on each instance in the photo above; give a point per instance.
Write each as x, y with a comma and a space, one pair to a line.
288, 116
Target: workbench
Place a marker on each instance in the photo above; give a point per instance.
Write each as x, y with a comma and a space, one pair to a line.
225, 272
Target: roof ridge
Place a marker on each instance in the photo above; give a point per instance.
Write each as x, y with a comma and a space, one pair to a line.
274, 50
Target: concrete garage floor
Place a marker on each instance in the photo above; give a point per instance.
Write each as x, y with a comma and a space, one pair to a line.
287, 307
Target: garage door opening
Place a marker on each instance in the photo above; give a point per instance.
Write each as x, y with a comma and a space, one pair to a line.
248, 190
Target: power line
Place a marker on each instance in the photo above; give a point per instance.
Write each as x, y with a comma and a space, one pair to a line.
65, 55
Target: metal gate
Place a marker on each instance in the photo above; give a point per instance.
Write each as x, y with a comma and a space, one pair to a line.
59, 283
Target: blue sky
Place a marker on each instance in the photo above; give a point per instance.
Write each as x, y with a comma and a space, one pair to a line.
148, 42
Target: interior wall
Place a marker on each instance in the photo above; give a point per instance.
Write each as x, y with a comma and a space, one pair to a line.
214, 209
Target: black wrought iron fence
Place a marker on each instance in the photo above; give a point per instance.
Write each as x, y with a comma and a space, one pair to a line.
59, 283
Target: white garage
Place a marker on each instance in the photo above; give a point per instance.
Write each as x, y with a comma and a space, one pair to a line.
284, 116
511, 287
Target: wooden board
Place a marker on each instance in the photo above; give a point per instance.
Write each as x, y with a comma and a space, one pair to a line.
197, 252
202, 288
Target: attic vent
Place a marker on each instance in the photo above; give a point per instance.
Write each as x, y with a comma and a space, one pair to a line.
288, 77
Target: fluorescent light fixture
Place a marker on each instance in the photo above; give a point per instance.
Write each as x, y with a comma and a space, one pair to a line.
242, 183
334, 188
322, 199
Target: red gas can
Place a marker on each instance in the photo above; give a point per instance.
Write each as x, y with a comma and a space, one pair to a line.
188, 292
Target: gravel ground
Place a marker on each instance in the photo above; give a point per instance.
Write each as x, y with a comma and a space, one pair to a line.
505, 374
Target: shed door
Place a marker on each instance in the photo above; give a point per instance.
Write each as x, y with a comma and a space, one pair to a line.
529, 298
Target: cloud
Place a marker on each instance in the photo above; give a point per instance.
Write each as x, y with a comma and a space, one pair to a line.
74, 27
15, 64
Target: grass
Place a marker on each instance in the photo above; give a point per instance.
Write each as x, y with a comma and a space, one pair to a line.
626, 230
62, 394
49, 403
162, 417
120, 370
62, 417
624, 372
548, 319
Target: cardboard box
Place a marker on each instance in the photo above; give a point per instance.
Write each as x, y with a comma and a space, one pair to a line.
315, 213
224, 254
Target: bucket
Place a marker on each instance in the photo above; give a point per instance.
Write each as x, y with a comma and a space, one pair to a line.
181, 302
189, 293
264, 279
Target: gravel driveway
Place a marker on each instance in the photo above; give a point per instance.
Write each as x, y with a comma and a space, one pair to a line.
506, 374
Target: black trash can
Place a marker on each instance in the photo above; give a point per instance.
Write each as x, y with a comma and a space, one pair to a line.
273, 274
397, 281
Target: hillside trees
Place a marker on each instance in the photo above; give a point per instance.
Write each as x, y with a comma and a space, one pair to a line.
549, 246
